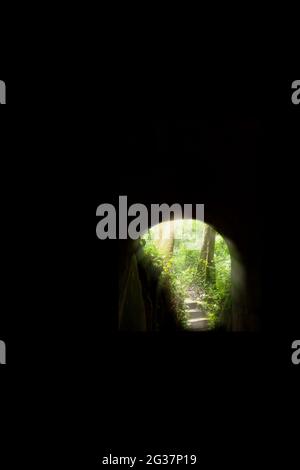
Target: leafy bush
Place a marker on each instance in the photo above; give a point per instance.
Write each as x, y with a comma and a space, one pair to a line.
164, 270
218, 296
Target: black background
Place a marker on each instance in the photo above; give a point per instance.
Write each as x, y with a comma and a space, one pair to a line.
229, 398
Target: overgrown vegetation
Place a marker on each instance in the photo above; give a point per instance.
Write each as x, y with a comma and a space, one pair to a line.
192, 272
217, 295
162, 268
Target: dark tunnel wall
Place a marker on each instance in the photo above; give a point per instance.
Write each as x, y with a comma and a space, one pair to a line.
215, 163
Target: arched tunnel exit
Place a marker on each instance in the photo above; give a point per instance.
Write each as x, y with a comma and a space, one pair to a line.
193, 262
183, 275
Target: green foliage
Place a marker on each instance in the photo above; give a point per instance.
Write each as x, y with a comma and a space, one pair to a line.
218, 296
184, 273
164, 269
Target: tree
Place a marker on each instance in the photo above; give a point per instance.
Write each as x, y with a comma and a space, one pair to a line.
206, 267
166, 238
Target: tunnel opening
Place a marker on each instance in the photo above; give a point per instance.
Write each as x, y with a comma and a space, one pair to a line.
193, 263
197, 281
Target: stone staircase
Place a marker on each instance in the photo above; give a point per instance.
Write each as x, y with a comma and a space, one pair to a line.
197, 318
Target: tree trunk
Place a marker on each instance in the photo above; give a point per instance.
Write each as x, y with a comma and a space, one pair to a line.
206, 266
166, 238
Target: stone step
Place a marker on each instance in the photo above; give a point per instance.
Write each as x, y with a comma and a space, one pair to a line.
190, 304
198, 328
196, 313
199, 325
197, 320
